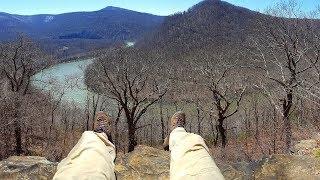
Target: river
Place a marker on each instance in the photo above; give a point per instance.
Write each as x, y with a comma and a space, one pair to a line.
65, 79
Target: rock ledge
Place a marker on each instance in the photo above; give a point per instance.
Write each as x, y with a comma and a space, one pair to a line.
147, 163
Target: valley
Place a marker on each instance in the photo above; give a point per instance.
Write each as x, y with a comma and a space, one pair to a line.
248, 82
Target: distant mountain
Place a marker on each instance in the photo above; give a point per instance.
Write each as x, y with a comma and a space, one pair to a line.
211, 25
98, 28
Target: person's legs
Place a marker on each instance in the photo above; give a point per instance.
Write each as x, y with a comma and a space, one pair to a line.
93, 156
190, 158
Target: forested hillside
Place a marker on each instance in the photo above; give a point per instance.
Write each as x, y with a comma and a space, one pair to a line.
80, 31
249, 82
212, 25
236, 71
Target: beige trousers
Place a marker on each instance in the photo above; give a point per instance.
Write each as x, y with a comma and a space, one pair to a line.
190, 158
91, 158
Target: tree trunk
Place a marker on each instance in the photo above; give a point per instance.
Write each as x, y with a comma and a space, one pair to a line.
87, 112
17, 127
199, 121
222, 132
116, 133
212, 127
131, 136
288, 133
163, 134
95, 103
18, 134
287, 104
51, 125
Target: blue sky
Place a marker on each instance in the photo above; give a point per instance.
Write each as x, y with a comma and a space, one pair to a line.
159, 7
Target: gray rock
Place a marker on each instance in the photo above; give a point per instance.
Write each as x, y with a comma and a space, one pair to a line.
289, 167
149, 163
143, 163
305, 147
27, 168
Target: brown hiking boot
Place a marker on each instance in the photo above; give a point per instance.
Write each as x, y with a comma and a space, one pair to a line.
103, 124
177, 120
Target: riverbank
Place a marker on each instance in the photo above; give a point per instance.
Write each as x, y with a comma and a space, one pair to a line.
64, 79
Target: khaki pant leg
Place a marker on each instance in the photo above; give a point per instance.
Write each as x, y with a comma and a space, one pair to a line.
190, 158
91, 158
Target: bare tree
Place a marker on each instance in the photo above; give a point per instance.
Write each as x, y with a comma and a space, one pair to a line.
54, 108
200, 117
126, 79
116, 125
226, 93
287, 57
19, 61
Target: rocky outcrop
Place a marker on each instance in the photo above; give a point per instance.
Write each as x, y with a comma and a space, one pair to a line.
143, 164
27, 168
146, 163
306, 147
289, 167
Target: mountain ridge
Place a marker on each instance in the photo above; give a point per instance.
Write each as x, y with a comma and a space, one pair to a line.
102, 9
80, 31
211, 25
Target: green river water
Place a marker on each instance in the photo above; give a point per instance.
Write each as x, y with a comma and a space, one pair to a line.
66, 79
